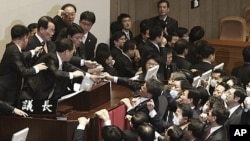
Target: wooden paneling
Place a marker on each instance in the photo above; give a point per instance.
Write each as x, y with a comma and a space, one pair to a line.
207, 15
229, 52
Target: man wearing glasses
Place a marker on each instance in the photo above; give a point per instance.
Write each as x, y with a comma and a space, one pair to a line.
64, 18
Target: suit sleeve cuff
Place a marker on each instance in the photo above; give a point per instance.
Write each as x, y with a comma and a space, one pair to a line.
32, 53
36, 69
152, 113
107, 123
115, 79
71, 76
81, 127
82, 63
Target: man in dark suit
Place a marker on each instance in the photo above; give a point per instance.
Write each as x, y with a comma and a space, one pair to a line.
181, 49
163, 9
53, 82
64, 18
13, 67
125, 64
143, 36
118, 39
235, 97
170, 66
242, 71
215, 131
87, 20
125, 20
45, 31
155, 46
208, 57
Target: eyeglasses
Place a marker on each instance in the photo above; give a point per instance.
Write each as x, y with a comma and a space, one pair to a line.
86, 23
52, 31
69, 14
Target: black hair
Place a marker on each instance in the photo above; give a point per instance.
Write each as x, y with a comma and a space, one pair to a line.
19, 31
196, 33
89, 16
44, 22
145, 25
112, 133
138, 118
122, 16
32, 26
196, 127
240, 92
64, 44
181, 31
115, 26
207, 51
194, 94
154, 32
180, 46
68, 5
129, 45
163, 1
146, 132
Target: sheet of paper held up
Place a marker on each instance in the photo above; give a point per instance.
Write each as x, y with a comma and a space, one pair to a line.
86, 85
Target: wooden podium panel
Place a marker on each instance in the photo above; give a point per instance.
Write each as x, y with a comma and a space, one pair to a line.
41, 129
87, 100
229, 52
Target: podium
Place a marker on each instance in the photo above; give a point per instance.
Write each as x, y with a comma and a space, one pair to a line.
87, 100
51, 129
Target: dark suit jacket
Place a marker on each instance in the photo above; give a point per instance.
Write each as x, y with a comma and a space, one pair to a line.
125, 66
33, 43
202, 67
12, 70
234, 119
89, 46
150, 49
79, 135
169, 69
41, 85
161, 105
171, 24
59, 25
138, 39
245, 117
130, 35
5, 108
242, 72
218, 135
116, 53
182, 63
78, 56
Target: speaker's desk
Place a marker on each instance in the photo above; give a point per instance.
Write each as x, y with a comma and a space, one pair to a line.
47, 129
229, 52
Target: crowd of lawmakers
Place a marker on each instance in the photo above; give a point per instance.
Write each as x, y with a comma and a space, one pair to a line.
45, 59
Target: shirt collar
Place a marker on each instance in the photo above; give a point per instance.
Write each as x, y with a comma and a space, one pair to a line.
213, 129
127, 56
59, 59
232, 110
85, 37
156, 45
19, 48
39, 38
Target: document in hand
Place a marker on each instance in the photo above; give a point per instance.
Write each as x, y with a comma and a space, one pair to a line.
86, 84
152, 73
